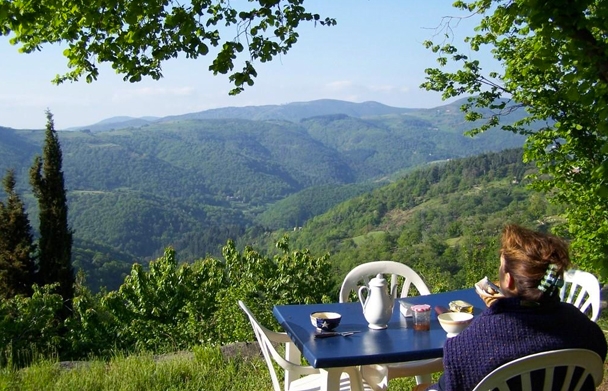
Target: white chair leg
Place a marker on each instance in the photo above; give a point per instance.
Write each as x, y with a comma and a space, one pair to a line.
423, 379
376, 375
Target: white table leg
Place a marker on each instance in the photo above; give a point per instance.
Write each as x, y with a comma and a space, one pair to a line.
356, 380
292, 354
332, 377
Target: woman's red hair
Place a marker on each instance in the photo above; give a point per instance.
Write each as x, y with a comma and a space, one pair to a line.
527, 255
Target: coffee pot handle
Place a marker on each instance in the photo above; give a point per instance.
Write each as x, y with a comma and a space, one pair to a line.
363, 297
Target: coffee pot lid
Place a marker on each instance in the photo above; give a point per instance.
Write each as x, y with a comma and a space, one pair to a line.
378, 280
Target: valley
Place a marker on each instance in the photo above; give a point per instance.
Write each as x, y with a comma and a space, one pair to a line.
196, 180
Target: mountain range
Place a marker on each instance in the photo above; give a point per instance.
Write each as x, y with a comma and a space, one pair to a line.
136, 186
292, 112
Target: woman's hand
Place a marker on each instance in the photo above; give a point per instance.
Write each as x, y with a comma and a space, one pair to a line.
488, 291
490, 299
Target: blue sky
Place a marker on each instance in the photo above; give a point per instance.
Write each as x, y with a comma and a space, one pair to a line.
374, 53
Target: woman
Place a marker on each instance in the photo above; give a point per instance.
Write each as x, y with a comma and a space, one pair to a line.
529, 319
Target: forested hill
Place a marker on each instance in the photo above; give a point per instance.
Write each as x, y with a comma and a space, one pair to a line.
444, 220
292, 112
195, 183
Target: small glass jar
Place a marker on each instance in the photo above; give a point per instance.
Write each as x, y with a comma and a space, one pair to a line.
422, 317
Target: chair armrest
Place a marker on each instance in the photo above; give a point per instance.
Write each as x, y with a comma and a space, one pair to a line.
278, 337
291, 351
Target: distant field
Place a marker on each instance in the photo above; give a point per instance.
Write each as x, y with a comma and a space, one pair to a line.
370, 235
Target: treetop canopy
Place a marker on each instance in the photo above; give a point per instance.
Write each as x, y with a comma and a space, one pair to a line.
137, 36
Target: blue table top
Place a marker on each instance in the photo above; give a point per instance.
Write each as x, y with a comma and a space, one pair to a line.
399, 342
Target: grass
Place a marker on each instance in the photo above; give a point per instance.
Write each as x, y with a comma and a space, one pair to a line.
603, 323
207, 369
359, 240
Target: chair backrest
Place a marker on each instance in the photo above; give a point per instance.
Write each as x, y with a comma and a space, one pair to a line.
265, 338
360, 276
582, 289
588, 362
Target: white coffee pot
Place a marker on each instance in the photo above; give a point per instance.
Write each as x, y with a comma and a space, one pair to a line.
377, 302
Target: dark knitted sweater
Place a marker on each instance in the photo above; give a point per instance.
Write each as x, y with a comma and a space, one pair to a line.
511, 329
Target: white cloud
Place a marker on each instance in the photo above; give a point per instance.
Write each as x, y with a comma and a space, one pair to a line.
22, 100
152, 92
39, 101
374, 90
356, 92
340, 85
383, 88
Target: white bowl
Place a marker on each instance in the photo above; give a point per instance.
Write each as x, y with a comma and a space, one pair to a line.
454, 322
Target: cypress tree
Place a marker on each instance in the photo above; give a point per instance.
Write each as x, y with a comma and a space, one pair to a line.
17, 262
55, 243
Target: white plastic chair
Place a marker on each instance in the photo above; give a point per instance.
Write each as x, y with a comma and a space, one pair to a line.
588, 361
400, 273
582, 289
297, 377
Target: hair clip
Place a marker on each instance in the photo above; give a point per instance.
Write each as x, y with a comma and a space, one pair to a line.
550, 280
